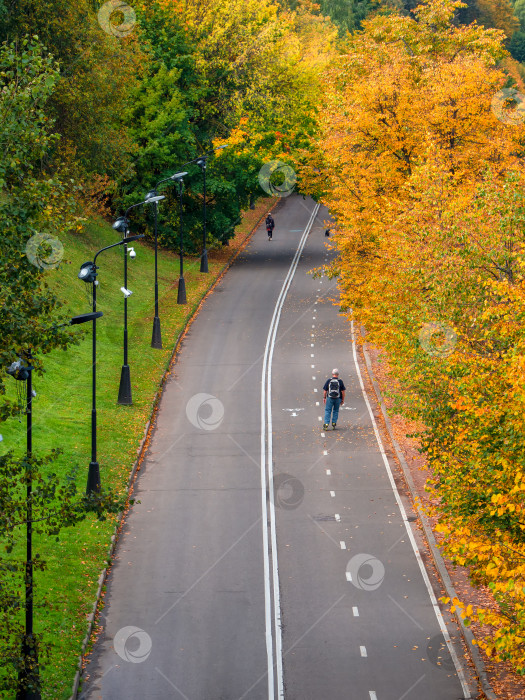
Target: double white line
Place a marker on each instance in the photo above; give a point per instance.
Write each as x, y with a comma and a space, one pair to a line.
272, 600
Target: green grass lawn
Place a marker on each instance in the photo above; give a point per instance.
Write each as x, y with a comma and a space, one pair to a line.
62, 414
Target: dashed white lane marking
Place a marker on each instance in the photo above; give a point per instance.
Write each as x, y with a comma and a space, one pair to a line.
317, 403
312, 366
373, 695
312, 335
319, 418
355, 611
311, 354
322, 435
348, 576
363, 651
313, 378
315, 390
311, 345
338, 517
343, 544
313, 325
325, 452
313, 318
329, 472
332, 493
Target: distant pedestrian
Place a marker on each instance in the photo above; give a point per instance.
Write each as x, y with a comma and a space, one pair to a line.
270, 224
334, 397
327, 232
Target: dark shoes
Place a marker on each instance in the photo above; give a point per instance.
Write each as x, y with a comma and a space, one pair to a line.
333, 426
325, 426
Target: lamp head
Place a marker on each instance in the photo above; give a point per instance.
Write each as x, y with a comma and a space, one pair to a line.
121, 224
178, 176
153, 197
88, 272
19, 370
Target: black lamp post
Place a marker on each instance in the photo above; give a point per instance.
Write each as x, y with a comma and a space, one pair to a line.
201, 162
153, 198
29, 674
122, 225
204, 257
181, 291
88, 274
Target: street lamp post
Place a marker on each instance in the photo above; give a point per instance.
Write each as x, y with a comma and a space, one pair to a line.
156, 335
153, 198
181, 291
204, 257
88, 274
122, 225
201, 162
29, 675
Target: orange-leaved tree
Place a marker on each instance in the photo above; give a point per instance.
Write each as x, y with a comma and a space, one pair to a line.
419, 162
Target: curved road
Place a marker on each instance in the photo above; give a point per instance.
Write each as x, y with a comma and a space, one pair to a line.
226, 589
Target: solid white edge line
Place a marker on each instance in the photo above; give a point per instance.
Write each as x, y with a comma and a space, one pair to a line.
267, 474
266, 563
433, 600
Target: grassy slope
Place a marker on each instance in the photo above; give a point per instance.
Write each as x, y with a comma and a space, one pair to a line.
61, 415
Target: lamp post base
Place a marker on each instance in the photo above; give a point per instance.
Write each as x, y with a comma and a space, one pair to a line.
93, 481
181, 293
204, 261
29, 675
156, 338
124, 392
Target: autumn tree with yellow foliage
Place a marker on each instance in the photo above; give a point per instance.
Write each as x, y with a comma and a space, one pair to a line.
419, 161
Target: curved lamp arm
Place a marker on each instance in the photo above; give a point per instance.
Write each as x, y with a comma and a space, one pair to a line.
128, 239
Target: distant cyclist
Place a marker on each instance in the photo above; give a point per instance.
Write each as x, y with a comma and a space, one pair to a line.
270, 224
334, 397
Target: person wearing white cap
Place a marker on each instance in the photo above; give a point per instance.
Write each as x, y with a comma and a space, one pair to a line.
334, 397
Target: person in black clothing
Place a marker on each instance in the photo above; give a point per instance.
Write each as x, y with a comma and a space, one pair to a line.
334, 397
270, 223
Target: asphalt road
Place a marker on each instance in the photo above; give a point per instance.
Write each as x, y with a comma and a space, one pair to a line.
224, 588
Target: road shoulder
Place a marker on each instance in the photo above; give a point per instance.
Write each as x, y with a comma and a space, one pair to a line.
497, 680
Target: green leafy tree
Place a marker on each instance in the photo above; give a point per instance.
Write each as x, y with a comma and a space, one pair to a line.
97, 70
347, 15
214, 67
517, 46
35, 207
519, 11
